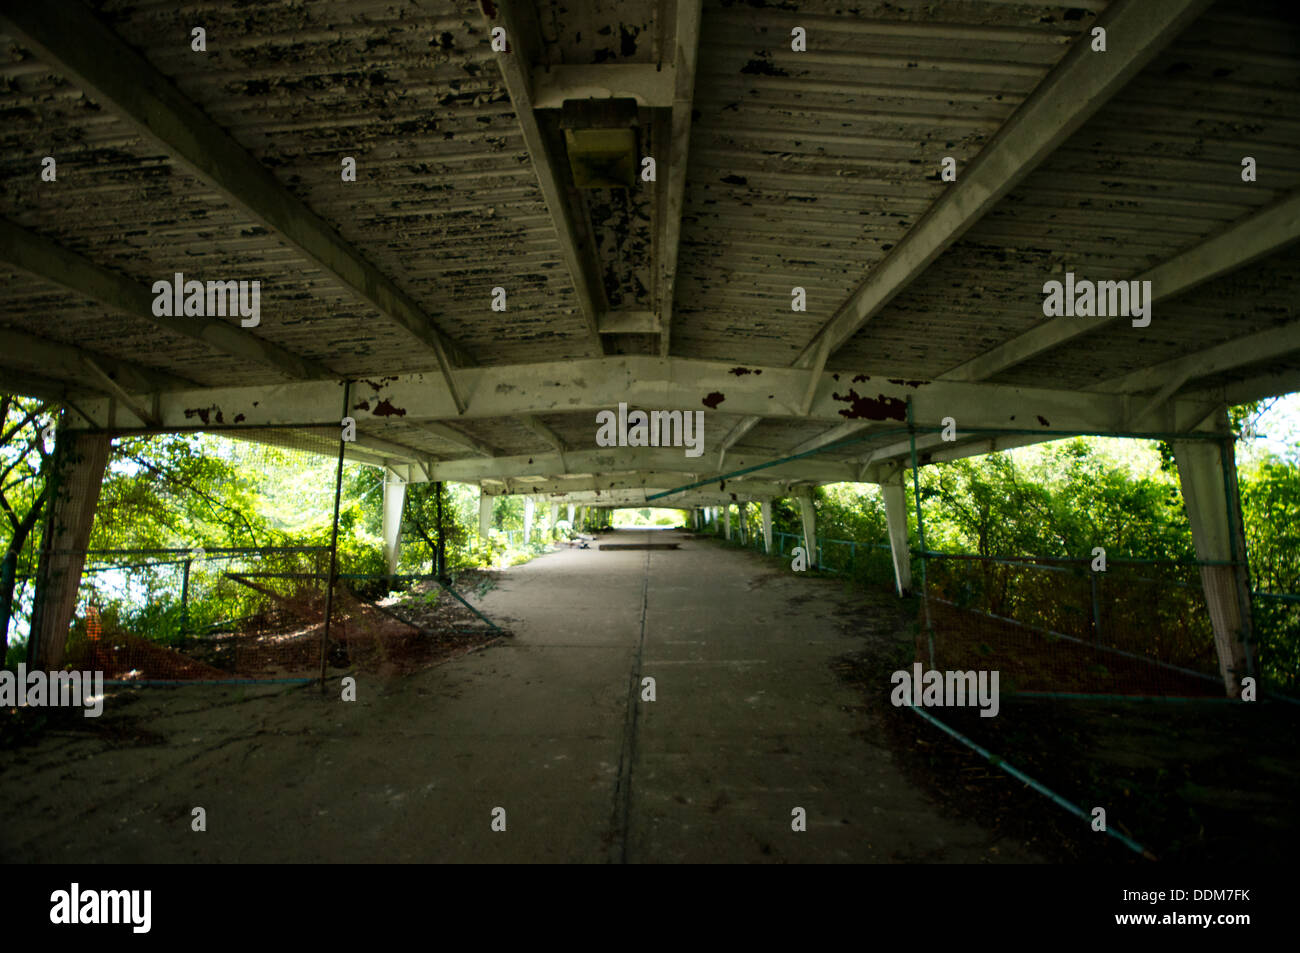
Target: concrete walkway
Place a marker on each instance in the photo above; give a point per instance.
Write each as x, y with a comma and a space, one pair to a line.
749, 722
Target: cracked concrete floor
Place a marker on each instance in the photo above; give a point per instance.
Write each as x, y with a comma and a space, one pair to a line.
748, 723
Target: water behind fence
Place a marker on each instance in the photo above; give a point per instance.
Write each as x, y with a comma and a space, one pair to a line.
255, 613
314, 604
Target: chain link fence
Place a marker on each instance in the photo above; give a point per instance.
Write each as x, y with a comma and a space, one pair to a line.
1053, 626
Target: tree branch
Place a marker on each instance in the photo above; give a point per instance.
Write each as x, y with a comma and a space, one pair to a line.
213, 503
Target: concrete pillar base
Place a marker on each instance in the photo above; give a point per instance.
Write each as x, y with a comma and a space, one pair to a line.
394, 499
1213, 510
808, 511
484, 514
896, 519
76, 477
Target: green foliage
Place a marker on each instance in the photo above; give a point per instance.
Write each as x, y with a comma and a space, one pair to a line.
646, 516
15, 652
847, 511
1270, 500
25, 462
1060, 500
491, 550
420, 526
785, 517
190, 490
182, 490
1071, 499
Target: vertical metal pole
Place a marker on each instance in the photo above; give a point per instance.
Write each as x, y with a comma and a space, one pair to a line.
1096, 607
440, 556
185, 600
334, 544
920, 529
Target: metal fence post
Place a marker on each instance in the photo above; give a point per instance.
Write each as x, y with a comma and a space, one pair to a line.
440, 554
334, 547
185, 600
1095, 585
920, 528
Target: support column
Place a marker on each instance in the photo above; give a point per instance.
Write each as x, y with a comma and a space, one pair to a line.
571, 524
394, 499
528, 518
75, 479
440, 556
808, 510
741, 507
727, 512
582, 519
555, 517
765, 513
484, 514
896, 519
1207, 471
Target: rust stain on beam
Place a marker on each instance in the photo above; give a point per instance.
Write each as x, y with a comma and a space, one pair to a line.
879, 407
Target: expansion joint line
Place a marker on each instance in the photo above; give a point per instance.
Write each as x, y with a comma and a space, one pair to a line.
627, 755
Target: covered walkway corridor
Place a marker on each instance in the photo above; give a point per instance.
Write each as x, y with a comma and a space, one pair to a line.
749, 722
451, 243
